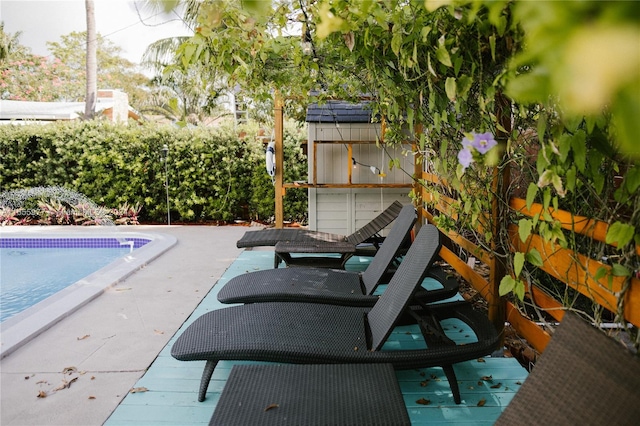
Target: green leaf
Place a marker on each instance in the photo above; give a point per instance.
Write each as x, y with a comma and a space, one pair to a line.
492, 45
534, 257
632, 179
450, 88
579, 147
464, 85
518, 263
620, 233
619, 270
524, 229
442, 55
571, 178
507, 285
564, 146
542, 127
600, 273
557, 184
532, 191
396, 42
518, 290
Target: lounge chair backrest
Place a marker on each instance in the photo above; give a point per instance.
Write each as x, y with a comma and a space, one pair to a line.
387, 252
396, 297
583, 377
376, 225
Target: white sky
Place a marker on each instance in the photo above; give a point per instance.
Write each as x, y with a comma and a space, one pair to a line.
40, 21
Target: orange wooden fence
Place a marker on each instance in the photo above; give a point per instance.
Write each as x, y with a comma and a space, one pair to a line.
574, 269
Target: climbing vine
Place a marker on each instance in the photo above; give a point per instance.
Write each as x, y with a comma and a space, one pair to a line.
554, 84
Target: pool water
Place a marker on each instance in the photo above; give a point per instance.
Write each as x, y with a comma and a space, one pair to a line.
30, 275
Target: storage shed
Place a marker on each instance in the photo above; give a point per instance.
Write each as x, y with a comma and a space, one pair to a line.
349, 175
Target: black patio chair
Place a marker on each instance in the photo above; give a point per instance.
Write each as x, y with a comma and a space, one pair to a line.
311, 395
304, 239
583, 377
336, 286
313, 333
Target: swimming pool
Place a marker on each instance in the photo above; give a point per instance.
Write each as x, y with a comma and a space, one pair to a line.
128, 251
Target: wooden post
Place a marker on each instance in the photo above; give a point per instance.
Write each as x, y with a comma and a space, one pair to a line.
279, 139
499, 222
418, 165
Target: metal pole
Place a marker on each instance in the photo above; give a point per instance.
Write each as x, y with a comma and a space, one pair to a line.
165, 152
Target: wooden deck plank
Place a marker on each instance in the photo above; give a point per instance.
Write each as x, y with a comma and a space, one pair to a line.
172, 386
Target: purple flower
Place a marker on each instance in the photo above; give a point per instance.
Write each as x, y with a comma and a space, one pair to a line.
464, 157
483, 142
467, 143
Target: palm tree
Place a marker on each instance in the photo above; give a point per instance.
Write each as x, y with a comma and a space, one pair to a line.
187, 95
92, 62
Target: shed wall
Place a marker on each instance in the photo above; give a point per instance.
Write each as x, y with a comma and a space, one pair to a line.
344, 210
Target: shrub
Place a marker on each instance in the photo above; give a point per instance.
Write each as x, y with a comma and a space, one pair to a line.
213, 174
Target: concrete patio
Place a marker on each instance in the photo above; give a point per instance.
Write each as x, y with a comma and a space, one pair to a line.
107, 345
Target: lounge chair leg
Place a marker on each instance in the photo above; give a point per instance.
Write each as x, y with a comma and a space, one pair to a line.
453, 383
206, 378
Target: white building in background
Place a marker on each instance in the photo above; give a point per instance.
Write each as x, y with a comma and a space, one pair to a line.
113, 104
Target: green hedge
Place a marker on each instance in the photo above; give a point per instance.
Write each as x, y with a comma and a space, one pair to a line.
214, 174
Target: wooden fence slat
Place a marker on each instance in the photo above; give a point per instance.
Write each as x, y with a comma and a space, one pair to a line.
595, 229
545, 302
479, 284
578, 271
535, 335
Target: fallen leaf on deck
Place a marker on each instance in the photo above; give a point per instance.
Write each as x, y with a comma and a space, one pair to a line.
424, 383
93, 377
139, 389
481, 360
271, 406
83, 337
496, 386
482, 402
92, 397
423, 401
69, 370
123, 289
158, 331
65, 384
487, 378
42, 382
42, 394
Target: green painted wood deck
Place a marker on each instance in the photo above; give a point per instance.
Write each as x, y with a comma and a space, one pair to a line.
487, 385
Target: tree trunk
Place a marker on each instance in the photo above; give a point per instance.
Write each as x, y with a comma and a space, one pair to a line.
92, 63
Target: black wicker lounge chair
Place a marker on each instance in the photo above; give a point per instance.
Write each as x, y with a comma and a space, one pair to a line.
311, 395
336, 286
313, 333
582, 378
345, 245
